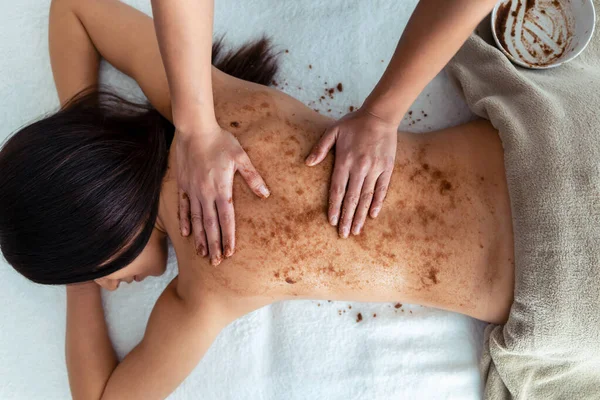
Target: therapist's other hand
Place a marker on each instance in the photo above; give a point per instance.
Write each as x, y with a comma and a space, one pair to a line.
206, 165
365, 150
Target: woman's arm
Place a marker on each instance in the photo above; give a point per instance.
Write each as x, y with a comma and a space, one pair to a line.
73, 57
184, 31
89, 352
434, 33
177, 336
81, 32
365, 139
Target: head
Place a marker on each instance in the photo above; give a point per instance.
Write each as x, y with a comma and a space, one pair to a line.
152, 261
80, 190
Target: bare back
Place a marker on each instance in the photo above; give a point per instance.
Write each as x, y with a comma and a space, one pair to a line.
443, 238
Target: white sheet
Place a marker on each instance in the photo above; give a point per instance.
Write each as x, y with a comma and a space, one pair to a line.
291, 350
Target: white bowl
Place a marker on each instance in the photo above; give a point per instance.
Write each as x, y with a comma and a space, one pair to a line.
542, 34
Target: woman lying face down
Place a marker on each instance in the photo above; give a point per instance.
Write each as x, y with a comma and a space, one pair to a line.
90, 195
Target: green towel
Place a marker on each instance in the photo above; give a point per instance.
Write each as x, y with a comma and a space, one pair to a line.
549, 124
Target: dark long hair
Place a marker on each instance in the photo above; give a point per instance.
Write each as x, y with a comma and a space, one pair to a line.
80, 188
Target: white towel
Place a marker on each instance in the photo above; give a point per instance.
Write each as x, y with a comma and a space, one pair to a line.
291, 350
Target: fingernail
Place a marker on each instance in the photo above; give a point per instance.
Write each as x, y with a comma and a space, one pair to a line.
228, 251
356, 230
201, 250
311, 159
216, 260
334, 220
264, 191
345, 232
184, 232
375, 212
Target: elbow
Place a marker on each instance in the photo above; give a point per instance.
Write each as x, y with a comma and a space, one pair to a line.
91, 391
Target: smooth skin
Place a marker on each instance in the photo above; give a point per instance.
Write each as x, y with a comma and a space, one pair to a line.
365, 139
446, 243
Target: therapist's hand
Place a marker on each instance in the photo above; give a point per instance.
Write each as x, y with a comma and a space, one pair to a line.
365, 150
206, 164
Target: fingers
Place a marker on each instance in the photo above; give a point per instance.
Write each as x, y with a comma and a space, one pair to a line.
213, 232
198, 228
351, 199
184, 213
380, 192
320, 150
227, 220
339, 180
252, 177
364, 203
213, 225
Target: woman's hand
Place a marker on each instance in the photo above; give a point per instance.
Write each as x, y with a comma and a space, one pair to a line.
364, 159
206, 164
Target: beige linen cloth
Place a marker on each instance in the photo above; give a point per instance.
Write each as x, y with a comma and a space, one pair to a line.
549, 124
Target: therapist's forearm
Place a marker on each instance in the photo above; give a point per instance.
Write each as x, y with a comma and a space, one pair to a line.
90, 356
184, 31
434, 33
